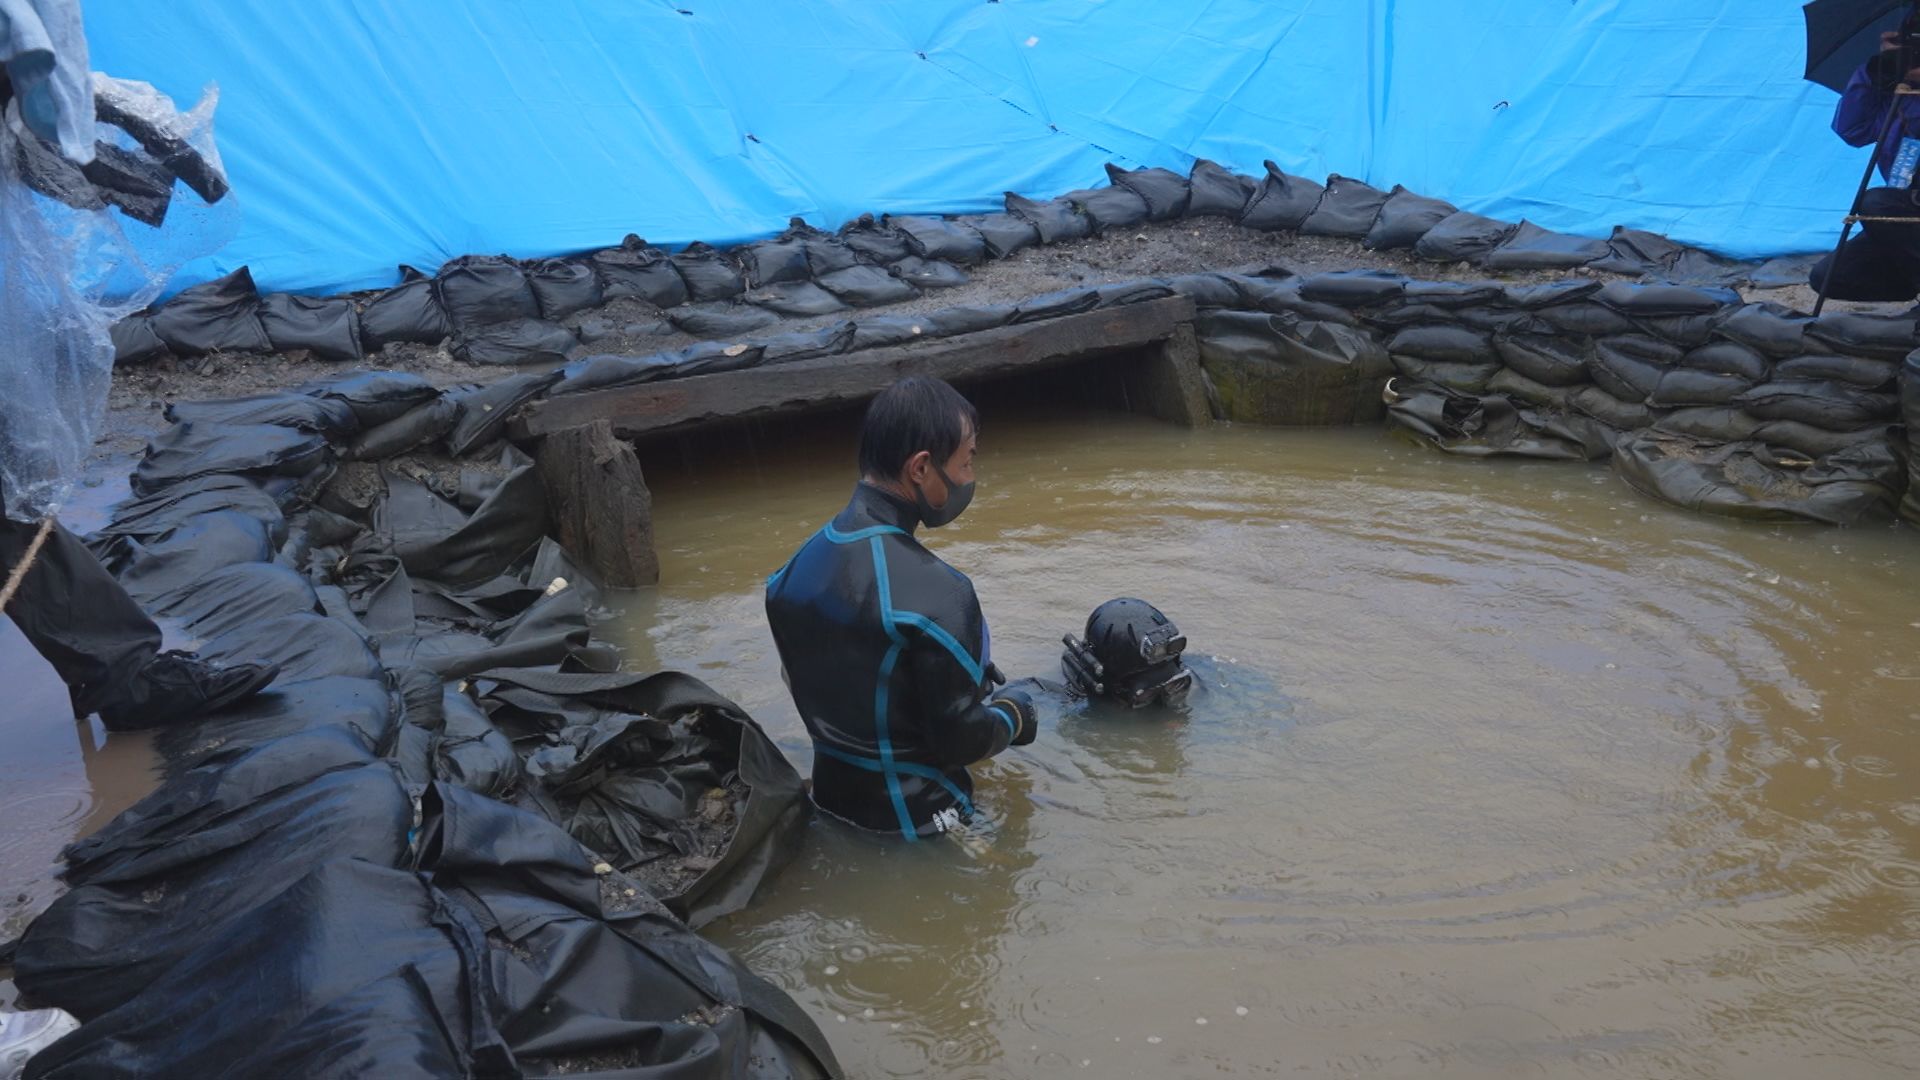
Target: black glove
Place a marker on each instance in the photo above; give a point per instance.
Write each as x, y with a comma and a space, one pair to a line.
1017, 704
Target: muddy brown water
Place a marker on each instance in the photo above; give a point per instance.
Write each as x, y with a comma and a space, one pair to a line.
1499, 770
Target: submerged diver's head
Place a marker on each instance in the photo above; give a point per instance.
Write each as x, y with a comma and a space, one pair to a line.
918, 442
1131, 654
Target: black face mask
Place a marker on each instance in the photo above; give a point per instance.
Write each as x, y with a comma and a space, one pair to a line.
958, 496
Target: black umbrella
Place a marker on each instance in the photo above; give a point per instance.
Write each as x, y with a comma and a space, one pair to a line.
1842, 34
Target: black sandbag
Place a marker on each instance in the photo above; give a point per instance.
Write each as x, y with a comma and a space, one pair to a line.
1534, 248
1612, 411
1109, 207
134, 341
345, 968
713, 357
1454, 344
471, 753
708, 276
1052, 305
1122, 293
374, 396
1630, 298
1454, 294
328, 327
216, 316
1509, 383
1463, 237
1164, 191
1819, 442
1054, 220
1629, 368
681, 719
1888, 337
967, 319
1207, 290
1354, 288
415, 428
1858, 485
176, 561
1687, 331
1276, 369
564, 286
141, 187
1281, 202
1864, 372
155, 515
483, 411
725, 319
1830, 405
1460, 376
477, 290
1769, 329
1542, 295
604, 370
1552, 360
1498, 320
305, 412
438, 541
883, 331
184, 451
1473, 425
770, 262
1587, 318
635, 270
1727, 358
1003, 234
1394, 316
823, 250
875, 241
407, 312
515, 342
1217, 191
1348, 208
938, 238
122, 927
1698, 267
867, 286
1688, 386
928, 273
1404, 218
1281, 296
1715, 423
807, 344
1634, 252
237, 597
304, 645
799, 299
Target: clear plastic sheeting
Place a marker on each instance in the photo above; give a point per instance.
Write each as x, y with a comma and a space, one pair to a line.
66, 276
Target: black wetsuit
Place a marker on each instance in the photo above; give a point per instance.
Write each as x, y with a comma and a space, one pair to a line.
886, 653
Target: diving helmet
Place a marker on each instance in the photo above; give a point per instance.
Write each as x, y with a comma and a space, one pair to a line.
1131, 654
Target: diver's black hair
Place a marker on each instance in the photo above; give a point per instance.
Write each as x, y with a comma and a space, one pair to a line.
917, 413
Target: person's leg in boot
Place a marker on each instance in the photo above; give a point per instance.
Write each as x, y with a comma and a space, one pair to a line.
1882, 263
107, 651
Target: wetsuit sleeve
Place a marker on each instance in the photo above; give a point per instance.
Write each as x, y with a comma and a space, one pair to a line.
1861, 111
961, 726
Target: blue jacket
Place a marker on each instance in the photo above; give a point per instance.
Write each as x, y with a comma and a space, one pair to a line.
886, 653
1862, 113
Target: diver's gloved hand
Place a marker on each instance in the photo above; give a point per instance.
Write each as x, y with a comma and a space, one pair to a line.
1019, 705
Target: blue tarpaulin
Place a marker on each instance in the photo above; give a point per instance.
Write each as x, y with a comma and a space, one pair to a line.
360, 134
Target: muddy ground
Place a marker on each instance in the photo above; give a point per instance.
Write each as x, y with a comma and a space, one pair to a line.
1150, 250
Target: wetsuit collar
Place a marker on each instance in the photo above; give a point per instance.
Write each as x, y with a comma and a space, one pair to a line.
871, 506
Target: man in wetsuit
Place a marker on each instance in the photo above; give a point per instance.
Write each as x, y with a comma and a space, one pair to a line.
883, 644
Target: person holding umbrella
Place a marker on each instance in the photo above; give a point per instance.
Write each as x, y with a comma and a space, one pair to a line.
1883, 262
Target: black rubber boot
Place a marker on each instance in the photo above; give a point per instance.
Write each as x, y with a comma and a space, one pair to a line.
177, 686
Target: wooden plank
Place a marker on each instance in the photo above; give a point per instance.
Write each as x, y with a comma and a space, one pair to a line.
599, 504
676, 403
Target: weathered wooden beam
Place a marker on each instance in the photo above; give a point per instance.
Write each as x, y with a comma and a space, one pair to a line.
1167, 385
601, 509
650, 408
